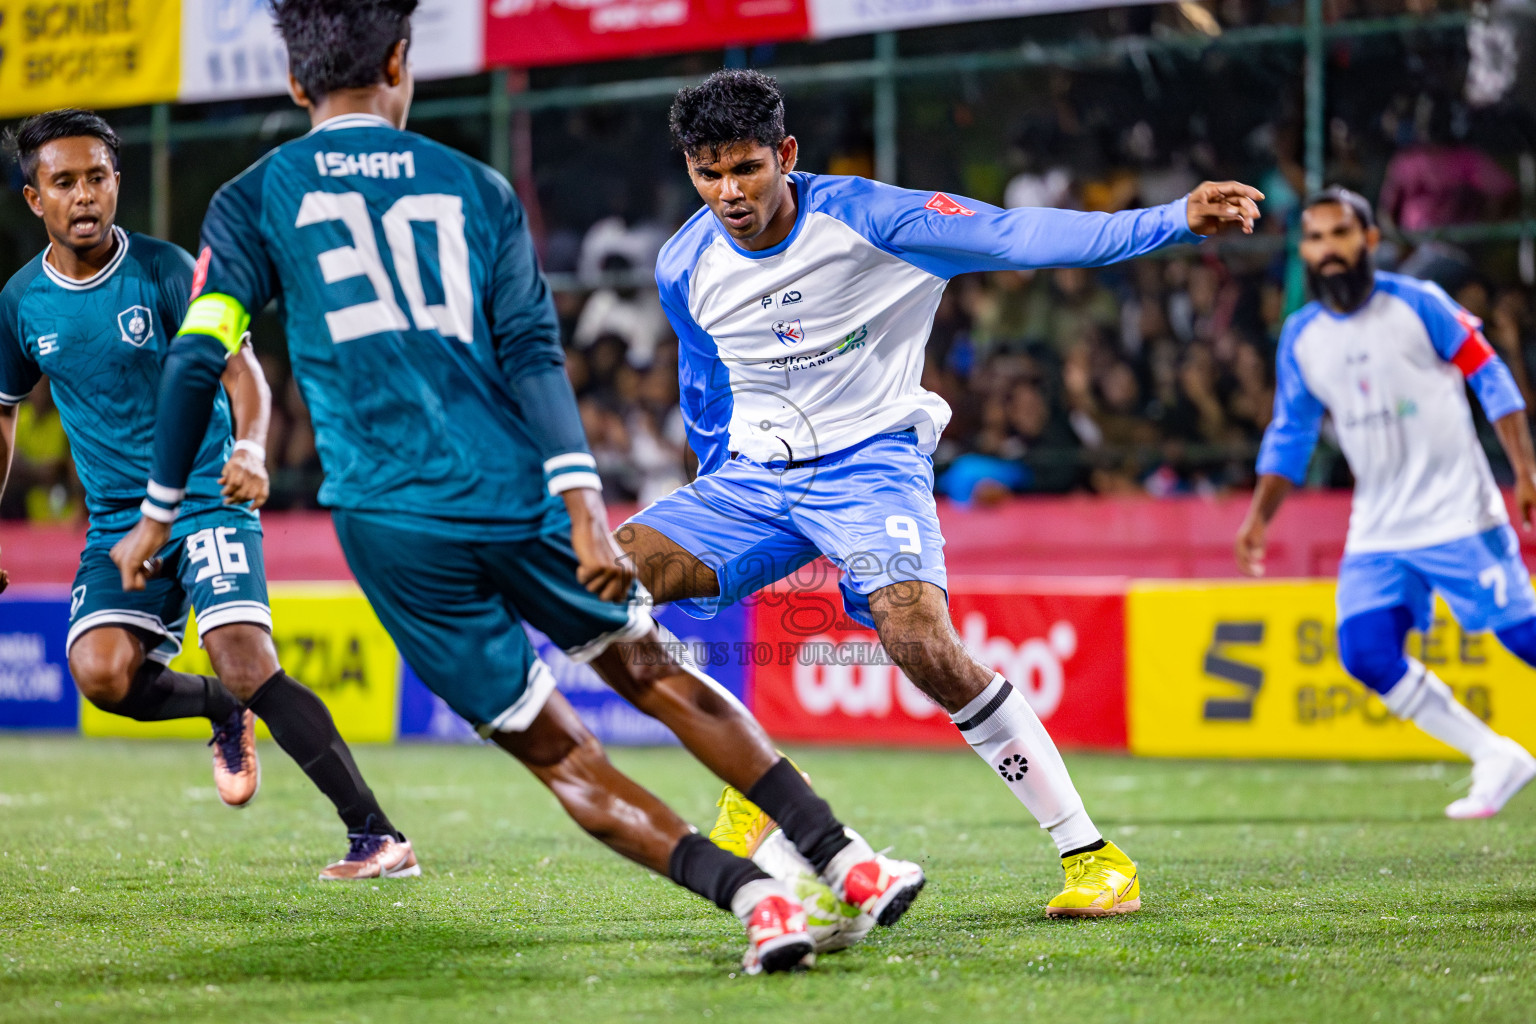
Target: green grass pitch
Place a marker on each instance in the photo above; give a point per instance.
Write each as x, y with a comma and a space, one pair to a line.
1272, 891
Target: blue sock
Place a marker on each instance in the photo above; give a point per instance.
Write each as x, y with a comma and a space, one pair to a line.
1520, 639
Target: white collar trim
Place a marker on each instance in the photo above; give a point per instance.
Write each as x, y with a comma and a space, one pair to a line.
351, 121
95, 279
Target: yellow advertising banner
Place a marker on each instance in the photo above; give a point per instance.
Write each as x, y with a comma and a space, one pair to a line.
329, 639
1233, 669
88, 53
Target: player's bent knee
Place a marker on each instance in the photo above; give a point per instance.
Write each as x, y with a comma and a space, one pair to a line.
1371, 649
103, 668
1520, 639
243, 657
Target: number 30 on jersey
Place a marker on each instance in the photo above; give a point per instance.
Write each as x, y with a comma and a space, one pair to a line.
453, 318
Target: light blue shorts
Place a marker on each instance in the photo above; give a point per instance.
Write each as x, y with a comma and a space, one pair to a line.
868, 508
1482, 578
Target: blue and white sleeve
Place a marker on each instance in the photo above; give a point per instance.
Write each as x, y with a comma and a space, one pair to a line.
704, 387
1292, 433
1458, 339
947, 236
526, 335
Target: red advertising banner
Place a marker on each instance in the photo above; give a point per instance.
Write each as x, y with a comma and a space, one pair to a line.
819, 677
529, 33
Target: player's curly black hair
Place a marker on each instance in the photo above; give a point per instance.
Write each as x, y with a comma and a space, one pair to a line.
23, 142
728, 107
340, 44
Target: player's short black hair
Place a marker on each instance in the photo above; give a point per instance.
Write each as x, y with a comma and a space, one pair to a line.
340, 44
23, 142
1346, 198
728, 107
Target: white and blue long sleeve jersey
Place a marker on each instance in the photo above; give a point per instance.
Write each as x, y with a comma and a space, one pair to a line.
1391, 373
816, 344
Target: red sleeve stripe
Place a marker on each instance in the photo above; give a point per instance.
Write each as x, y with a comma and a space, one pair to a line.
200, 272
1473, 354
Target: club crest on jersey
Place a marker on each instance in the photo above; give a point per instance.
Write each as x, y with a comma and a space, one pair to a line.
947, 206
137, 325
789, 331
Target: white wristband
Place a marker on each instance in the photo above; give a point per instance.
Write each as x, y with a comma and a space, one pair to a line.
149, 510
246, 445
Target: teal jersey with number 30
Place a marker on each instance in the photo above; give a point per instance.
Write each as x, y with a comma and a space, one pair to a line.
413, 304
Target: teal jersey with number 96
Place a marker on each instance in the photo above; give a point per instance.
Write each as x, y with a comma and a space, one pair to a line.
102, 343
413, 305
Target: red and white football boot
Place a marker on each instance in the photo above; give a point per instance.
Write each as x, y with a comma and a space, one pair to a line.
777, 939
880, 886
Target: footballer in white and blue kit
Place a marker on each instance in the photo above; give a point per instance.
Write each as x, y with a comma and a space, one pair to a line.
1390, 358
802, 305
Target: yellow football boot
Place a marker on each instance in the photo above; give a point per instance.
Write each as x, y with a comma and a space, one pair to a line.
1098, 884
742, 826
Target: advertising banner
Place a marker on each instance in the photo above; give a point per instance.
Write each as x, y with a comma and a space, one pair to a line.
713, 644
328, 639
35, 689
819, 677
87, 53
230, 48
527, 33
855, 17
1252, 670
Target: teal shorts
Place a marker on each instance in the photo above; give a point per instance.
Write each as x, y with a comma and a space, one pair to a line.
455, 607
213, 564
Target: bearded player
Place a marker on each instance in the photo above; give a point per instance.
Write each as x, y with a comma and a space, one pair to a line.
1390, 357
95, 313
802, 304
426, 343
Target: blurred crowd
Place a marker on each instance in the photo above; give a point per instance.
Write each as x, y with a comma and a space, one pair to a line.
1153, 377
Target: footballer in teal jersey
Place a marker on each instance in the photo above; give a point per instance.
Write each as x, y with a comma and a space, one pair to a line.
95, 313
425, 342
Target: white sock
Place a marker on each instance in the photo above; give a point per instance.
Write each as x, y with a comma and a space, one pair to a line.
1006, 733
1423, 699
754, 892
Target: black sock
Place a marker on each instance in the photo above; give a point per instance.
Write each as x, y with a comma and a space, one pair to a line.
806, 818
1090, 848
156, 694
302, 726
699, 865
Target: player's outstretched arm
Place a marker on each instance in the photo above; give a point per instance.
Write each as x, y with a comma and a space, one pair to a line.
245, 474
949, 236
7, 445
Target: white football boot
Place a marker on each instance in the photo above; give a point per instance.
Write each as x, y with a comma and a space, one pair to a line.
1495, 779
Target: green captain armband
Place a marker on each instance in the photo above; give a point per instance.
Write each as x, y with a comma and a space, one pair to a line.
218, 316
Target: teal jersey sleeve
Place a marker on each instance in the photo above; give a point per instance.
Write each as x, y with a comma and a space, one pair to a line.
19, 373
526, 332
232, 250
232, 279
